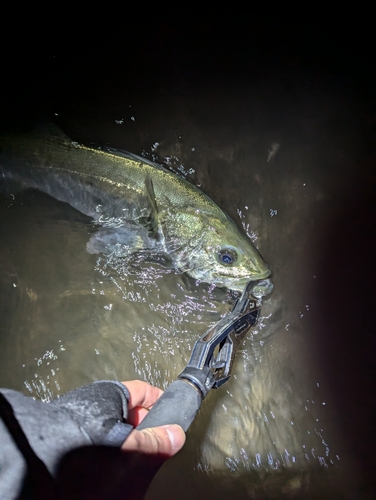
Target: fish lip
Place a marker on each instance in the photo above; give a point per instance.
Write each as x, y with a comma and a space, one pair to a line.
256, 277
242, 282
261, 276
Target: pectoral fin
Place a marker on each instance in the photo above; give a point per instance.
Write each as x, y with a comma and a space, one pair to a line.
152, 223
119, 241
145, 232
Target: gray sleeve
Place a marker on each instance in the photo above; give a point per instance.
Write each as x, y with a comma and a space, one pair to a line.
93, 414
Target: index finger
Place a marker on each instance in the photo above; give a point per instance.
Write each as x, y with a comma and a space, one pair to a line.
142, 394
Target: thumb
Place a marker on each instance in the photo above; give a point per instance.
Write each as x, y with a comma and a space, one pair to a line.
165, 440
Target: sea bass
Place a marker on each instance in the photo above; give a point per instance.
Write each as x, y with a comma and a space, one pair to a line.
137, 203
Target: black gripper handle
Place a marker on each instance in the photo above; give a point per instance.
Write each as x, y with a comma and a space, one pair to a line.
179, 404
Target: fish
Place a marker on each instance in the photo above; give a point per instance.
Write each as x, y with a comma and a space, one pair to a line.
136, 204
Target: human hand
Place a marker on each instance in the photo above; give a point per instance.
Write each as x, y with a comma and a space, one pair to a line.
148, 448
98, 472
164, 441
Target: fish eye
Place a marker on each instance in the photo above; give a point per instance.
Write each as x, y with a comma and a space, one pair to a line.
227, 256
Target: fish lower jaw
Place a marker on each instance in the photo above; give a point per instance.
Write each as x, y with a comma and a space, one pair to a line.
238, 284
260, 276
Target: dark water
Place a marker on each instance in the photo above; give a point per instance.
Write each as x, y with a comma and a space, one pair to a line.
285, 145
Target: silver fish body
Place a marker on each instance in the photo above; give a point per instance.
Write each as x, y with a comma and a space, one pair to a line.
138, 204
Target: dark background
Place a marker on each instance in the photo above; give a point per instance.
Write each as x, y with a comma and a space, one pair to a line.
80, 74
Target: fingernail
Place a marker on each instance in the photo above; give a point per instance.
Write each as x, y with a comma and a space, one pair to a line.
176, 436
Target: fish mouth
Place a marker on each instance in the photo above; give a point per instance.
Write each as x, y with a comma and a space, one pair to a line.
238, 284
261, 276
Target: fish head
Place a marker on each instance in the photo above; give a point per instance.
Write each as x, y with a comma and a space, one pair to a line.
216, 252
